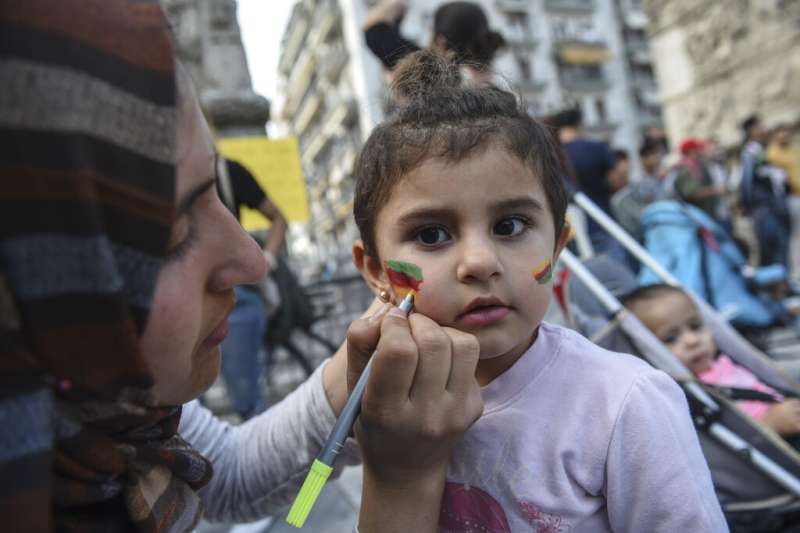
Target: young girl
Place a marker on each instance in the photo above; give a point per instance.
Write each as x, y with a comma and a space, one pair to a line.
672, 316
463, 183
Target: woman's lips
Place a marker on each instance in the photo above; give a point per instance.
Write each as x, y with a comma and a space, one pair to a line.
484, 316
218, 335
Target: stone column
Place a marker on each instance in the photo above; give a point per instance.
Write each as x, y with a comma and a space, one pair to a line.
209, 42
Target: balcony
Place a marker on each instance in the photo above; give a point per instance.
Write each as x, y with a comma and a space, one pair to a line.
513, 6
575, 6
308, 111
575, 52
584, 81
335, 60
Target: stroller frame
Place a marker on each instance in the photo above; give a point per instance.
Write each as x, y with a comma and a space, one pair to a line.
704, 406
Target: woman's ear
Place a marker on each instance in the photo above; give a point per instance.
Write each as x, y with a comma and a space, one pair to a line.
563, 239
370, 267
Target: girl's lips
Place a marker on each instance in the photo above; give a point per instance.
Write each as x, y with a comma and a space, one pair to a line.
218, 335
484, 316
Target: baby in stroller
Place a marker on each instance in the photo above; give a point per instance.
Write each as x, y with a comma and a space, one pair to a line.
673, 317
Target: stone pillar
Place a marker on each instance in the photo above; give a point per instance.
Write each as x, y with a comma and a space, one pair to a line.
208, 41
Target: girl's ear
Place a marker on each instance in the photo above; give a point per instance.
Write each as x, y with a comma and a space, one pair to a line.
563, 239
371, 269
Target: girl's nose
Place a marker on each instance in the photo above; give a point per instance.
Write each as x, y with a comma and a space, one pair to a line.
241, 261
478, 260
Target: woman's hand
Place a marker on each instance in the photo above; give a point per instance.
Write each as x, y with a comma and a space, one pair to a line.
421, 397
784, 417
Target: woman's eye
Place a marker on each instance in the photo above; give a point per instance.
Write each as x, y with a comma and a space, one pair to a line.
432, 235
511, 226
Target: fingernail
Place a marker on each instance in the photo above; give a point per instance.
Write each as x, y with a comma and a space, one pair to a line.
399, 313
377, 316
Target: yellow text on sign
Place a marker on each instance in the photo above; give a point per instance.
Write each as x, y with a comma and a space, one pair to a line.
275, 163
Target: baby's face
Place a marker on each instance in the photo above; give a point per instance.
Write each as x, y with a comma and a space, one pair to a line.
477, 228
674, 319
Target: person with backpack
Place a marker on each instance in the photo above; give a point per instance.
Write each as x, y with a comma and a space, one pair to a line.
242, 362
763, 193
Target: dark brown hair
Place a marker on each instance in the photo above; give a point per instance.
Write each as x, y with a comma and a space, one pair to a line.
437, 117
466, 30
648, 293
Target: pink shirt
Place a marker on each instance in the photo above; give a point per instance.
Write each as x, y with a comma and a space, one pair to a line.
726, 373
577, 439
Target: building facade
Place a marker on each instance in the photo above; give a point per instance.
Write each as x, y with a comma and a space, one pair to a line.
590, 53
719, 62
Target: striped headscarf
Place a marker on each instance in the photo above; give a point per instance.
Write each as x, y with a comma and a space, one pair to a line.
87, 161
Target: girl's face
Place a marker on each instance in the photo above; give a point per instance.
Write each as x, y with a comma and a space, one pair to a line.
477, 228
209, 255
674, 319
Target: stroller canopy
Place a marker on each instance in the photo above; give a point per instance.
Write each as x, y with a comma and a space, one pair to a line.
705, 259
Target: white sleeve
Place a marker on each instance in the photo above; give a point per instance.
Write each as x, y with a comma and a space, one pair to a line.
657, 479
260, 465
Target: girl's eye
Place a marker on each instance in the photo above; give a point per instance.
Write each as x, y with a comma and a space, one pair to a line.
696, 325
511, 226
432, 235
669, 339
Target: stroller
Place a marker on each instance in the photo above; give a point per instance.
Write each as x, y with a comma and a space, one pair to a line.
756, 473
706, 260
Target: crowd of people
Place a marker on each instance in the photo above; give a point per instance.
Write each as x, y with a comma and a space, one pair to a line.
758, 183
127, 282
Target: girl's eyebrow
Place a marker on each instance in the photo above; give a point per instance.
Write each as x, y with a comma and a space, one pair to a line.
189, 199
523, 202
423, 214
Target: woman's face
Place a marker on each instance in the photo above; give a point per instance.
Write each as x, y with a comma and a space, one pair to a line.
209, 254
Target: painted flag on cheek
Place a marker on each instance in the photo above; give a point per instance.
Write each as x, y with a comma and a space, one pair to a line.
404, 277
543, 272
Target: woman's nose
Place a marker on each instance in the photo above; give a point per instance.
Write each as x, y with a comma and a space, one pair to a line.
478, 260
241, 261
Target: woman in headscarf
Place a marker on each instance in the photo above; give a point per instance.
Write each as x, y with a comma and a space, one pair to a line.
117, 268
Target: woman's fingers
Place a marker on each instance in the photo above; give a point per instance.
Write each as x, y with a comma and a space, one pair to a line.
395, 363
435, 354
362, 340
466, 352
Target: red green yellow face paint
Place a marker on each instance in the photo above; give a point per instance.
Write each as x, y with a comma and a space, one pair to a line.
404, 277
543, 272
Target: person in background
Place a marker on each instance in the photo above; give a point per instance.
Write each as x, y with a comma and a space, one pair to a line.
620, 174
458, 27
714, 158
592, 163
243, 363
629, 202
781, 154
693, 181
763, 192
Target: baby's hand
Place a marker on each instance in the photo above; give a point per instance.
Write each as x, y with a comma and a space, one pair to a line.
784, 417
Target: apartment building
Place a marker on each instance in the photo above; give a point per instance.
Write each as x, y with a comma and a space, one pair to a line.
591, 53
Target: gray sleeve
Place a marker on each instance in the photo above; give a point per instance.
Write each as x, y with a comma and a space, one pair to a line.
260, 465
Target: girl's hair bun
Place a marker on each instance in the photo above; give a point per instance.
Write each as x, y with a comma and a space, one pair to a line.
423, 74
